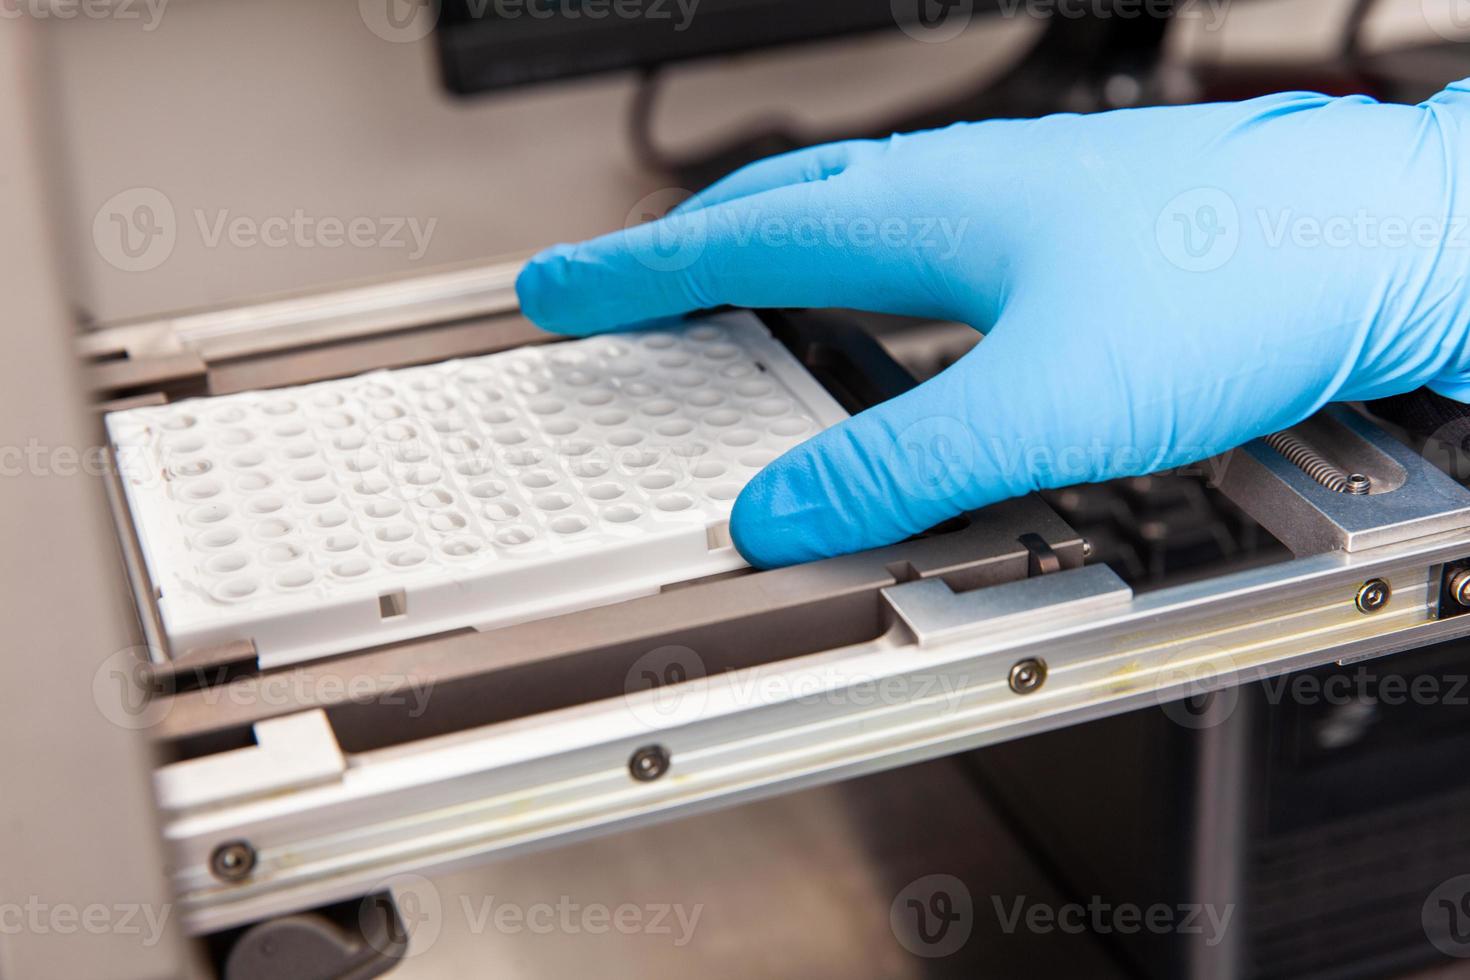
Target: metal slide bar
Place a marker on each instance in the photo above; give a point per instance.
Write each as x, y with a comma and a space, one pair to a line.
940, 681
316, 318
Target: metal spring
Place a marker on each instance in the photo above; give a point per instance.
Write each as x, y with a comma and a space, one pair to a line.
1299, 453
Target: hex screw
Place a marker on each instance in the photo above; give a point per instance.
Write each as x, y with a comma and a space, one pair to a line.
649, 763
1460, 586
1373, 595
1357, 484
232, 861
1028, 675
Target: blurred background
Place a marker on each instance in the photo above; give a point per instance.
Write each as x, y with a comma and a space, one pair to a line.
273, 107
210, 152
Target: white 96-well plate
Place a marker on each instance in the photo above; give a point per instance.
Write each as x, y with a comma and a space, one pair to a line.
478, 492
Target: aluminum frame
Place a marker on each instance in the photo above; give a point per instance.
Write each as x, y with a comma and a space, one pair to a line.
937, 682
914, 694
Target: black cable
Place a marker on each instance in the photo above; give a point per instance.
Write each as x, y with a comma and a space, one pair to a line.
706, 164
1070, 56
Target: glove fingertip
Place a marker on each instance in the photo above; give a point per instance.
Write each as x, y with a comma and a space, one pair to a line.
542, 289
783, 517
754, 532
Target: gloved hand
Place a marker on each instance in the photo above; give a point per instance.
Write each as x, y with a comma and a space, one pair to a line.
1155, 286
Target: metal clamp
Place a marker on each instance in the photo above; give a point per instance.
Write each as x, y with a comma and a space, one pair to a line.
1407, 498
936, 613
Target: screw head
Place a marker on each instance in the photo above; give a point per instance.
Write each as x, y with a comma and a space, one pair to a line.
649, 763
1460, 586
1028, 675
1373, 595
1358, 484
232, 861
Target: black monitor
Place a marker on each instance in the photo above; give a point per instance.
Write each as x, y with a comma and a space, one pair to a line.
493, 44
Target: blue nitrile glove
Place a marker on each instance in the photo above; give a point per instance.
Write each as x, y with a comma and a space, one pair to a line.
1156, 286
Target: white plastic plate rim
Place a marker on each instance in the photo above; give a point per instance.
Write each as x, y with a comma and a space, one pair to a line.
209, 480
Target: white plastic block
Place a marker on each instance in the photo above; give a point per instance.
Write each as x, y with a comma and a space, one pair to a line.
479, 492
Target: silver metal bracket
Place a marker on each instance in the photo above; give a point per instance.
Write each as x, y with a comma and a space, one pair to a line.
1409, 497
936, 613
291, 752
